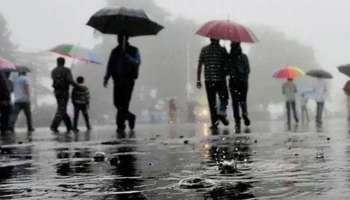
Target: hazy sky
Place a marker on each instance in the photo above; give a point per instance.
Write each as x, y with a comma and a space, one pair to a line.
322, 24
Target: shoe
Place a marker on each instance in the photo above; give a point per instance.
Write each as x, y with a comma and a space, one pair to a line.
75, 130
246, 121
132, 122
30, 130
224, 120
54, 130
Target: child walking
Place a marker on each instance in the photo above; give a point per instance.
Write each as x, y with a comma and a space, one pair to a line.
81, 103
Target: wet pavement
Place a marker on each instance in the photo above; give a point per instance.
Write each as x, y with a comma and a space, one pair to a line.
179, 162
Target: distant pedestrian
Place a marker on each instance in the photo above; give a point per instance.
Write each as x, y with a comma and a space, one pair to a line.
214, 57
238, 70
172, 111
5, 103
81, 103
289, 89
320, 91
346, 90
22, 100
123, 67
62, 80
304, 98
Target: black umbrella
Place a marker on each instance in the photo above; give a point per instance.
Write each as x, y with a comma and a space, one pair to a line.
345, 69
124, 21
319, 73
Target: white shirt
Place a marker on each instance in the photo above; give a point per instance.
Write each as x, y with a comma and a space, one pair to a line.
19, 91
320, 90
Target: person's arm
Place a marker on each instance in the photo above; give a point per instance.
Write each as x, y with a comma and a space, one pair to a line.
88, 97
70, 79
109, 69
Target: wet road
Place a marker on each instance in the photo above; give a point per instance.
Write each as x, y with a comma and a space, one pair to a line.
179, 162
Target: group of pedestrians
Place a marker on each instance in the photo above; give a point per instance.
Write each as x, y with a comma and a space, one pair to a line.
318, 92
218, 66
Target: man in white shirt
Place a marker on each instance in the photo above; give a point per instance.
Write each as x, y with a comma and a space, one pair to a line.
22, 100
289, 89
320, 91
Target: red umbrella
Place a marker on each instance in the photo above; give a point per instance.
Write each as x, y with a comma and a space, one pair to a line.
227, 30
6, 65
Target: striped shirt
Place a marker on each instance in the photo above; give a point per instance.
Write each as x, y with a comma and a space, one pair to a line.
81, 95
213, 57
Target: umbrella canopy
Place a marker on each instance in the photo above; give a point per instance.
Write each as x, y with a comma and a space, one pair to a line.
319, 73
227, 30
76, 52
6, 65
124, 21
345, 69
18, 69
289, 72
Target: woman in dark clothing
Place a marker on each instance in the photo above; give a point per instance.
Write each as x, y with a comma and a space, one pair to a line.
238, 70
5, 103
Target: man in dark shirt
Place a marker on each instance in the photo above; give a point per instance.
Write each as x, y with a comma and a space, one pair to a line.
5, 103
213, 57
62, 80
238, 70
123, 67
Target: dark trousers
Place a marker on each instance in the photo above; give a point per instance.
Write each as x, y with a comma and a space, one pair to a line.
83, 108
5, 113
215, 89
122, 97
319, 111
290, 105
25, 106
61, 113
239, 92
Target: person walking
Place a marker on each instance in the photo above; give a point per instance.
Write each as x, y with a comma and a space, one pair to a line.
5, 103
172, 111
81, 103
346, 90
62, 80
320, 91
238, 70
22, 100
289, 89
123, 67
303, 105
214, 58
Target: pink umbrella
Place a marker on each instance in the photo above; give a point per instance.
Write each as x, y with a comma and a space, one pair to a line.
227, 30
6, 65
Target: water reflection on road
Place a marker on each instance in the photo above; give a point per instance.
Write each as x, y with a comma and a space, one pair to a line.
179, 162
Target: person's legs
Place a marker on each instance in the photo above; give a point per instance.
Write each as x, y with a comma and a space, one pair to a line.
235, 104
117, 94
76, 117
86, 117
13, 118
320, 111
28, 114
66, 117
223, 96
243, 93
295, 114
288, 107
129, 116
58, 116
6, 111
211, 95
